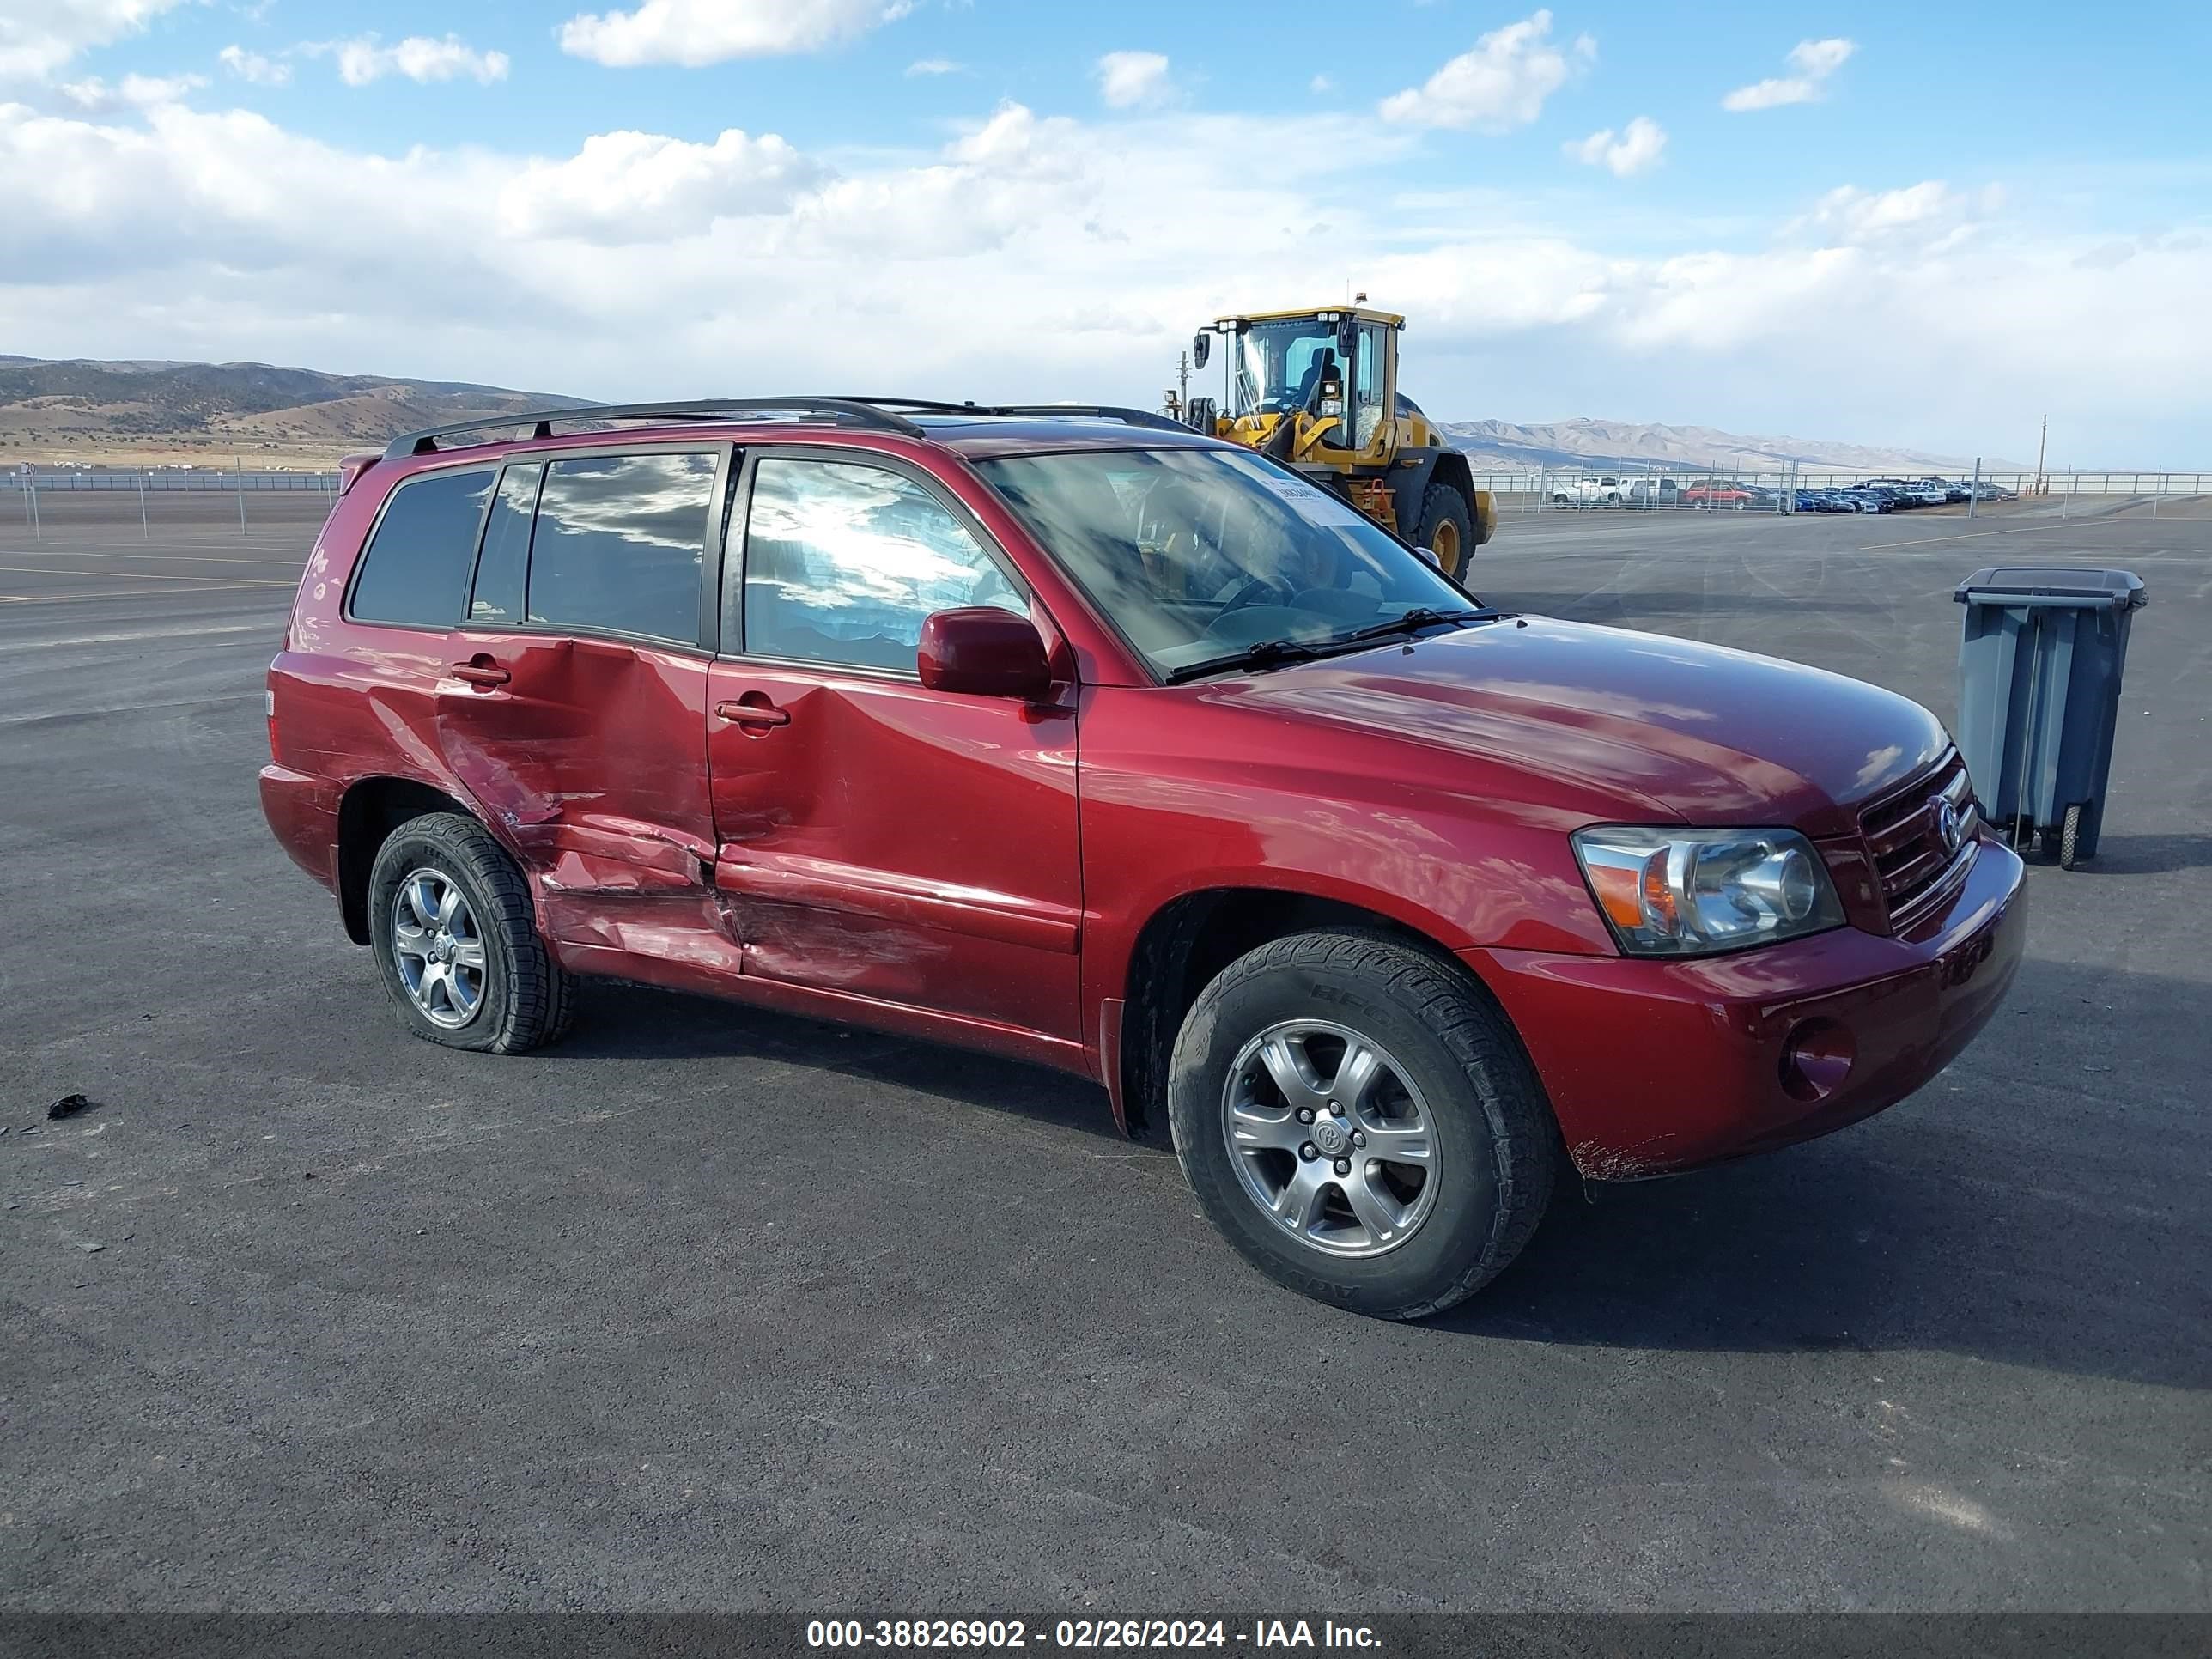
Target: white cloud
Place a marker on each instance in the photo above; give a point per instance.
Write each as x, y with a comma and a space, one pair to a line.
1321, 83
638, 265
1815, 62
1929, 212
630, 187
418, 58
1133, 80
694, 33
253, 67
1500, 84
39, 36
132, 92
1635, 149
933, 66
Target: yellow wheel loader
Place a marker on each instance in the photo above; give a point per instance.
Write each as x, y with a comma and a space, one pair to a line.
1318, 392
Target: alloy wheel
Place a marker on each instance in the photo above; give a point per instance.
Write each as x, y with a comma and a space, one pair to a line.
1330, 1138
441, 954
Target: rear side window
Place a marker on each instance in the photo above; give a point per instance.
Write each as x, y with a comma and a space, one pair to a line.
619, 544
506, 555
415, 568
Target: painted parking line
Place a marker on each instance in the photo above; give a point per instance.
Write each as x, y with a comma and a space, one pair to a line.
135, 576
53, 552
2010, 529
274, 625
113, 593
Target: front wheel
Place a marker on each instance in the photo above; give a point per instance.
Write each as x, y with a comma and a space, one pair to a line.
455, 938
1360, 1124
1447, 527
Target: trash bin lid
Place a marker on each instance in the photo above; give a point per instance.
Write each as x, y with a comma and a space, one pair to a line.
2053, 584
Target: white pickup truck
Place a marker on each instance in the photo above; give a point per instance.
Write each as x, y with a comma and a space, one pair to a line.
1586, 492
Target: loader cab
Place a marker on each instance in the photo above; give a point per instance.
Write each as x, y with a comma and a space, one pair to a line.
1328, 364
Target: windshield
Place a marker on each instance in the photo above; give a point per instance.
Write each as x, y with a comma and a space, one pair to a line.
1198, 555
1278, 365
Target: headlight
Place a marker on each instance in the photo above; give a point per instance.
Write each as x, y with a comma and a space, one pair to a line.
1688, 892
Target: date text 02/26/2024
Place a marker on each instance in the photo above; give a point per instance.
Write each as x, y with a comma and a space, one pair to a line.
1084, 1635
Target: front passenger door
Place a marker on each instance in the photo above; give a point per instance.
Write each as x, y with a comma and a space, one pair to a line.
878, 839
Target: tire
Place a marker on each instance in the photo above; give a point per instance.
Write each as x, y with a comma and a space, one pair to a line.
523, 999
2069, 836
1448, 1068
1444, 506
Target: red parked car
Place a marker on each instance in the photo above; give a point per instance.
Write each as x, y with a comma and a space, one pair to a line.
1086, 738
1718, 494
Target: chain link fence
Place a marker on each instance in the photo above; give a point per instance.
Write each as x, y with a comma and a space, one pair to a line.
165, 501
199, 502
1810, 490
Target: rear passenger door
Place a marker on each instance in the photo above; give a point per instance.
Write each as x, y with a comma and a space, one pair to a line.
574, 705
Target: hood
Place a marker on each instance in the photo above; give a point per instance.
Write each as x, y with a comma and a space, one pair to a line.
1632, 725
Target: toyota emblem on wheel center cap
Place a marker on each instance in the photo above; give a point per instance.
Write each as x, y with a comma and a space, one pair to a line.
1330, 1136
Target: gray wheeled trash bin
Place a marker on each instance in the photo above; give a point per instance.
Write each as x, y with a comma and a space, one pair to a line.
2039, 669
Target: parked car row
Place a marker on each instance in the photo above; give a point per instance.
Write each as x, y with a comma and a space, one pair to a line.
1873, 495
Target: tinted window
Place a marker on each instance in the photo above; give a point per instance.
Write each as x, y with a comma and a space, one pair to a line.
416, 567
618, 544
506, 555
843, 562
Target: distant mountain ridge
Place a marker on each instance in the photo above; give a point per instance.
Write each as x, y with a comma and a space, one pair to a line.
1593, 443
86, 407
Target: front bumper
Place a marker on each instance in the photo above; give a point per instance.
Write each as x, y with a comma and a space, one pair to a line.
1654, 1065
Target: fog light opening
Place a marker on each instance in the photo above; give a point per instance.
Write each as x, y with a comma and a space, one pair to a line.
1816, 1058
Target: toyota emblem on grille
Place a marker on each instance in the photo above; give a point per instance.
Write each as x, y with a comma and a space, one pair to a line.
1947, 827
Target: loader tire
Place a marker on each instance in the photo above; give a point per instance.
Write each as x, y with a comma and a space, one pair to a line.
1444, 515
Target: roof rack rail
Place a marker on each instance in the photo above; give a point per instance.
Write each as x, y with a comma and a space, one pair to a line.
1041, 412
854, 410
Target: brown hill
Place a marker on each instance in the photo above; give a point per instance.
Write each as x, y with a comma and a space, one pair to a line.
90, 410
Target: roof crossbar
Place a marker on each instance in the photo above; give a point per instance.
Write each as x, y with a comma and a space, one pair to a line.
539, 422
1038, 411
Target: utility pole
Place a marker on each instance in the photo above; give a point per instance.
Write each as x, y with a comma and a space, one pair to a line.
1182, 378
2039, 445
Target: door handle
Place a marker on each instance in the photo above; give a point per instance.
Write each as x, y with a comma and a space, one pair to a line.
481, 672
752, 714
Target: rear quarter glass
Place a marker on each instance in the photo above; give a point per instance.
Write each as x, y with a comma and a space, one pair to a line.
415, 570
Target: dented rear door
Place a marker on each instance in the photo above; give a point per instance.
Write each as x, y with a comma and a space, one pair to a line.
573, 706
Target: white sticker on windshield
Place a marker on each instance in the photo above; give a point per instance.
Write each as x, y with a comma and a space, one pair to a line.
1310, 502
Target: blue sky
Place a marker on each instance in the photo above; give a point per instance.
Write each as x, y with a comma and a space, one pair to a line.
1876, 221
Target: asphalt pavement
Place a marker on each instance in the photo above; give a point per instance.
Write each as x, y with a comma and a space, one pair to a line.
711, 1309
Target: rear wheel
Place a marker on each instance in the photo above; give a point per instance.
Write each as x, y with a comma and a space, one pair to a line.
456, 940
1447, 527
1359, 1124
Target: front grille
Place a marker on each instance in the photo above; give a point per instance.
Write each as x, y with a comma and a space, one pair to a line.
1915, 866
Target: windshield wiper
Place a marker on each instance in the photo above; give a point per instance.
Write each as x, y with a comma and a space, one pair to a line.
1266, 653
1419, 618
1272, 653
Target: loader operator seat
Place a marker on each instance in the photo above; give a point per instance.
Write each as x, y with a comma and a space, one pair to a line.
1324, 361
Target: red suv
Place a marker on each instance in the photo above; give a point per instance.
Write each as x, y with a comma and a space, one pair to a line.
1082, 738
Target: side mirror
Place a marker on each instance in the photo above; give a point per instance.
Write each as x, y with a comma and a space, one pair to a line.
1201, 347
984, 652
1432, 556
